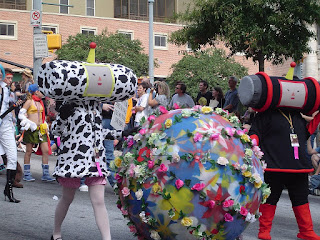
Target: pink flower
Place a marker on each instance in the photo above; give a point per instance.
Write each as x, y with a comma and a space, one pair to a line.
125, 191
198, 186
214, 137
197, 107
142, 131
150, 164
163, 110
162, 168
118, 178
133, 229
243, 211
230, 131
211, 203
151, 118
197, 137
228, 217
176, 106
130, 143
124, 211
131, 170
228, 203
179, 183
240, 132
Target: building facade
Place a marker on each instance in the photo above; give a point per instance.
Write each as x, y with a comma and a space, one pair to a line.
129, 17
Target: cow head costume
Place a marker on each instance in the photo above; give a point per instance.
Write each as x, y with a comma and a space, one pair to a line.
84, 86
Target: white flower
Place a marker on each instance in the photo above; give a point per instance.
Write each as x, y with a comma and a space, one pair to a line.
248, 152
222, 161
137, 137
154, 235
175, 157
139, 194
244, 167
142, 215
251, 218
137, 171
186, 113
234, 119
256, 177
264, 165
129, 156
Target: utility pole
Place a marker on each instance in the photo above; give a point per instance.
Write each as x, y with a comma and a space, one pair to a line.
151, 39
37, 61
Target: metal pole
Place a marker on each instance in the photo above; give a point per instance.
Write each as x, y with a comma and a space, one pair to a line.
36, 30
151, 61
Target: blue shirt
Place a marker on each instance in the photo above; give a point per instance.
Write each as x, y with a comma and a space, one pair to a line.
233, 99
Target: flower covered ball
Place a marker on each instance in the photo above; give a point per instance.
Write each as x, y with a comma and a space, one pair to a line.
190, 174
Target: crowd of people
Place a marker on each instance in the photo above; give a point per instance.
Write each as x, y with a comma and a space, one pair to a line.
28, 127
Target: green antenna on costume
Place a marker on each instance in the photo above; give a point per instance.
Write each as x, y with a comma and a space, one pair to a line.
92, 53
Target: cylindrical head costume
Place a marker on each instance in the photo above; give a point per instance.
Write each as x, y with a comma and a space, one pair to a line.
70, 81
262, 92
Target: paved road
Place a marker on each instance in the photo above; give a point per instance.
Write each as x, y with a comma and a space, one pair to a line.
32, 219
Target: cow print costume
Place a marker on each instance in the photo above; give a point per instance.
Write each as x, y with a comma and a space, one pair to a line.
82, 133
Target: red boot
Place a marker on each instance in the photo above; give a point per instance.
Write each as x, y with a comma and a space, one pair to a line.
265, 220
304, 220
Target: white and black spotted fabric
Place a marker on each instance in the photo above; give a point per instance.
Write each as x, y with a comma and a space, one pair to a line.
82, 132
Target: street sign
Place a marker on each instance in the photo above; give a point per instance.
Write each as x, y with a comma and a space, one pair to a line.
35, 18
40, 45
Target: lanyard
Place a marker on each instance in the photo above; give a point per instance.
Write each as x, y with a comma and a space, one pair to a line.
293, 137
289, 119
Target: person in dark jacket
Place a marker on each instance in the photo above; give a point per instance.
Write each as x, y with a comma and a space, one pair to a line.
282, 135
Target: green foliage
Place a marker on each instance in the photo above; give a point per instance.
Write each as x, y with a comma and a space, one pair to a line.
111, 48
211, 65
262, 29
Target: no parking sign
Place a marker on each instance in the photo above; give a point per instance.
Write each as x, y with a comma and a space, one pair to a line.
35, 18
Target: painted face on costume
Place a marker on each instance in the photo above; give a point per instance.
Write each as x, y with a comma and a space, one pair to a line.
99, 79
293, 94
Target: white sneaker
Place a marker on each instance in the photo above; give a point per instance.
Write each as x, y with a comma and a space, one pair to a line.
83, 188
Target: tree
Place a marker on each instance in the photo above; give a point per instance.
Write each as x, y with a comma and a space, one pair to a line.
271, 30
210, 65
111, 48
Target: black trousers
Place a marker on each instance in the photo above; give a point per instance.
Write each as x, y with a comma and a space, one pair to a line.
296, 183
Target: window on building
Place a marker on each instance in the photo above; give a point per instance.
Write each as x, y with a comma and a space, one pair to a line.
160, 41
8, 30
89, 30
127, 33
50, 27
138, 9
14, 4
64, 9
90, 7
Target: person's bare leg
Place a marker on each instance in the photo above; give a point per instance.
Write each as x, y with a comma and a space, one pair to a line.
45, 155
28, 153
62, 209
96, 193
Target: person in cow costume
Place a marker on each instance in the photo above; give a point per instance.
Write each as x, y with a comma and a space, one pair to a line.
79, 88
280, 131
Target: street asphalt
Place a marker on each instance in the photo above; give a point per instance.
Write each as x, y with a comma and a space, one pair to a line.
32, 219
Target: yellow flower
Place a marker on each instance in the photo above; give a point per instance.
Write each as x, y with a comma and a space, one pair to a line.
156, 188
186, 221
247, 174
117, 162
168, 123
245, 137
206, 110
258, 185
